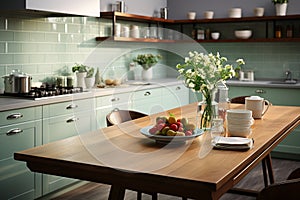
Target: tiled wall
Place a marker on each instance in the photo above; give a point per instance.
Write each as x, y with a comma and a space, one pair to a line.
268, 60
46, 47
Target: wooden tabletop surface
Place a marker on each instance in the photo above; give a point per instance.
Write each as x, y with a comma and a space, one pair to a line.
120, 155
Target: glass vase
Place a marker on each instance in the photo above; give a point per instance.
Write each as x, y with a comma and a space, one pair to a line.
207, 109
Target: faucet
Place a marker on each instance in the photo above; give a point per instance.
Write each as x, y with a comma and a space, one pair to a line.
288, 75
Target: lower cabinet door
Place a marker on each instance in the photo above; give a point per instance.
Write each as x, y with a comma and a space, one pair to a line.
175, 96
61, 127
16, 180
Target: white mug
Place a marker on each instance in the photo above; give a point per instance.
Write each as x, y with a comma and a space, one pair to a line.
257, 105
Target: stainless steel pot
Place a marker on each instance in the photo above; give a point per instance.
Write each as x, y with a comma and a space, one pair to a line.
17, 82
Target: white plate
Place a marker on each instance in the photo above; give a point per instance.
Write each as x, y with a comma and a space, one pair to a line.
167, 139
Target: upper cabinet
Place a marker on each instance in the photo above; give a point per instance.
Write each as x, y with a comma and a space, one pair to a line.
51, 7
263, 28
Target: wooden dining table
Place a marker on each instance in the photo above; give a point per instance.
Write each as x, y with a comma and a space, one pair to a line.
125, 159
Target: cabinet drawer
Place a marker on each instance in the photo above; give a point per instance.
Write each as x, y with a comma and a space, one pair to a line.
146, 94
113, 100
20, 115
68, 107
174, 96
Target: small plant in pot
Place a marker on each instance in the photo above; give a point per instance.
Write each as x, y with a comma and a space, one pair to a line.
280, 6
90, 78
83, 72
147, 61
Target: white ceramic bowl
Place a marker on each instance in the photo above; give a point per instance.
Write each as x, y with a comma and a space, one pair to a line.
240, 133
215, 35
238, 123
239, 113
243, 34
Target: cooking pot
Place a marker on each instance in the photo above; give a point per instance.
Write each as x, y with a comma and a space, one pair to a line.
17, 82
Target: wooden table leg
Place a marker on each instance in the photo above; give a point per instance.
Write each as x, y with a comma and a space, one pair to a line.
265, 173
270, 169
117, 192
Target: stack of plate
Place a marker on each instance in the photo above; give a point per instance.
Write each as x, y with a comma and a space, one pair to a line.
239, 122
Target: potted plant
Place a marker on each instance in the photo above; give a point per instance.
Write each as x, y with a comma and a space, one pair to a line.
281, 7
83, 72
90, 78
147, 61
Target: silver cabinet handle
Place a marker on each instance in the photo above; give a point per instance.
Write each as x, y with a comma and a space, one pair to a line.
73, 119
14, 116
115, 99
147, 93
14, 131
71, 106
260, 91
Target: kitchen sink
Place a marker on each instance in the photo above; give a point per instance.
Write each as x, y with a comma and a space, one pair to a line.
293, 81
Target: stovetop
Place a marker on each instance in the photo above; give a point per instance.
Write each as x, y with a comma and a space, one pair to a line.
45, 92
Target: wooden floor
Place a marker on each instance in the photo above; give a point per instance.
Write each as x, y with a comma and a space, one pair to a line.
254, 181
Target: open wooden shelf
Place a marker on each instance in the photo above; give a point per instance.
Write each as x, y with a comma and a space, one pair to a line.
114, 16
133, 17
254, 40
127, 39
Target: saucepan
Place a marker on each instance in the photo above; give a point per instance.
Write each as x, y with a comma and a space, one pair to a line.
17, 82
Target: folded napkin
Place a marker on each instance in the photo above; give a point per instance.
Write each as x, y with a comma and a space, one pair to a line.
232, 143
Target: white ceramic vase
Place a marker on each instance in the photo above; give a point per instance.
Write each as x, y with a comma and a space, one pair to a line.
147, 74
281, 9
80, 79
89, 82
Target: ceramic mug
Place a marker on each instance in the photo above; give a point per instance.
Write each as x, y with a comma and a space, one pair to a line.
257, 105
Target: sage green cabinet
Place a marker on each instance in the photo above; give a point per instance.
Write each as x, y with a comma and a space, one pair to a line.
174, 96
20, 129
147, 101
105, 104
290, 146
63, 120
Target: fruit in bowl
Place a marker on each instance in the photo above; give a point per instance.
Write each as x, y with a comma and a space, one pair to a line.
170, 126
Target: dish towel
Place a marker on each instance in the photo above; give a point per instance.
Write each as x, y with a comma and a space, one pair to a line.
232, 143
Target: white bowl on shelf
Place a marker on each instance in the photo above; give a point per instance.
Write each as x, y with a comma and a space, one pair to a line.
243, 34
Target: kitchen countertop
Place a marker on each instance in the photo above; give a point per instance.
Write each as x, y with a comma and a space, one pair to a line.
262, 83
9, 103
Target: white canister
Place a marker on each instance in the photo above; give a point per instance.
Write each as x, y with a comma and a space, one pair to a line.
208, 14
134, 31
259, 11
235, 13
117, 30
125, 31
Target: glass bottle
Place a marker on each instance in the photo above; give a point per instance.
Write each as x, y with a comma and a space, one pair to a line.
278, 32
217, 128
222, 99
289, 31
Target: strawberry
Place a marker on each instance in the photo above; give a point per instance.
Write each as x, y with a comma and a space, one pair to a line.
174, 127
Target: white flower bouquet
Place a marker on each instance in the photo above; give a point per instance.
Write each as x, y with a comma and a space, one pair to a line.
202, 72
